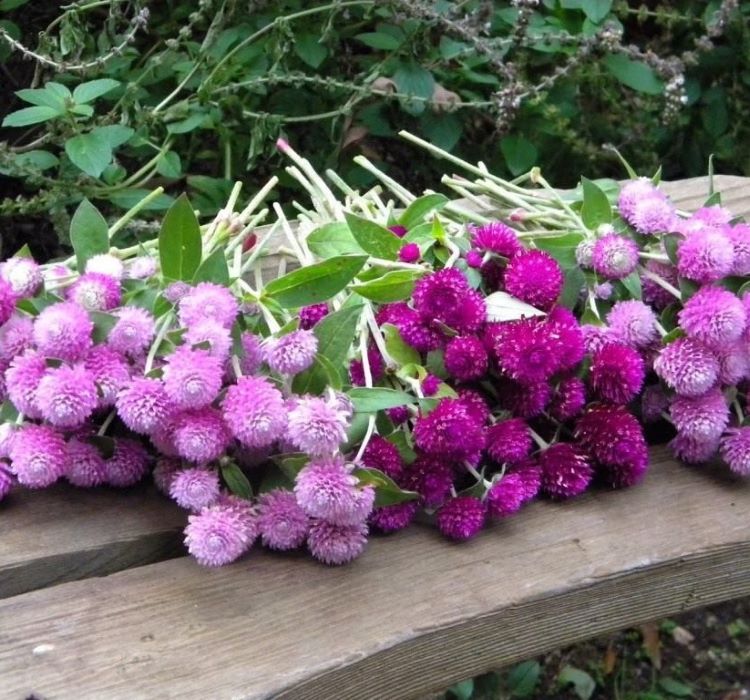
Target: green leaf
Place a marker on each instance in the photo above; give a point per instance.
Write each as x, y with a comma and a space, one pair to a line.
90, 152
583, 684
574, 282
370, 400
596, 209
31, 115
213, 269
596, 10
34, 160
193, 122
128, 198
676, 688
671, 245
416, 212
180, 242
520, 154
561, 248
401, 353
687, 288
635, 74
236, 481
105, 445
114, 134
399, 439
86, 92
315, 283
713, 199
8, 412
6, 5
43, 98
633, 284
379, 40
103, 324
441, 128
523, 679
628, 168
89, 233
169, 165
414, 81
291, 464
392, 286
387, 492
310, 49
333, 239
82, 110
374, 238
463, 690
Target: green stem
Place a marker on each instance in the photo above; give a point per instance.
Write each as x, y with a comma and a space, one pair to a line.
128, 215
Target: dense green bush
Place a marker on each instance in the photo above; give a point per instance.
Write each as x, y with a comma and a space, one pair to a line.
106, 98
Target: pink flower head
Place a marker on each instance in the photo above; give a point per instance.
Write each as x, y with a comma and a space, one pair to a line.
633, 323
535, 277
634, 192
357, 369
594, 337
449, 431
292, 353
714, 316
317, 426
165, 470
735, 450
383, 455
110, 372
142, 267
133, 332
565, 471
283, 524
255, 412
23, 275
176, 291
409, 253
95, 292
309, 316
653, 215
218, 535
128, 463
705, 255
701, 417
687, 367
336, 544
7, 431
739, 235
16, 336
527, 350
6, 482
565, 329
461, 518
496, 237
692, 451
430, 477
617, 373
654, 402
143, 405
614, 256
66, 396
474, 404
509, 441
212, 334
506, 496
445, 296
105, 264
22, 381
84, 464
734, 363
395, 517
252, 353
200, 435
192, 378
524, 400
194, 488
63, 331
530, 474
654, 294
604, 291
37, 455
208, 301
715, 215
466, 358
568, 400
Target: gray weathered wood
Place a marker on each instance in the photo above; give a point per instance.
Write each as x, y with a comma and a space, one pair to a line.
412, 614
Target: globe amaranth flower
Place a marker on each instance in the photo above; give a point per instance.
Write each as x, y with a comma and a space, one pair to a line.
409, 253
399, 230
496, 237
431, 477
38, 456
509, 441
714, 316
465, 358
687, 367
530, 474
715, 215
110, 372
734, 363
176, 291
133, 331
218, 535
194, 488
564, 328
474, 404
211, 336
84, 464
617, 373
565, 471
6, 482
283, 524
445, 296
604, 291
255, 412
128, 463
535, 277
7, 431
506, 496
309, 316
632, 322
336, 544
449, 431
16, 336
653, 215
142, 267
739, 235
397, 415
461, 517
95, 292
383, 455
357, 368
22, 381
252, 353
524, 400
527, 350
634, 192
705, 255
411, 328
430, 385
164, 472
568, 399
701, 417
317, 426
106, 264
292, 353
654, 402
63, 331
614, 256
67, 396
143, 405
208, 301
387, 519
200, 435
192, 378
474, 259
653, 293
23, 275
735, 450
693, 451
594, 337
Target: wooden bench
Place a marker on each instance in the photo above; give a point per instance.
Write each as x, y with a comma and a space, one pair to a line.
97, 599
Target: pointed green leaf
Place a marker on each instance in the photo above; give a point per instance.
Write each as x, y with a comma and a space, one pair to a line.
333, 239
236, 481
523, 679
89, 233
43, 98
395, 285
369, 400
416, 212
114, 134
400, 352
596, 209
583, 684
213, 269
90, 152
373, 238
31, 115
86, 92
387, 492
633, 284
180, 242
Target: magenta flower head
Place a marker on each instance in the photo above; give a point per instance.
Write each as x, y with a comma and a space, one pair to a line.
128, 463
430, 385
110, 372
357, 368
530, 474
283, 524
565, 471
317, 426
509, 441
445, 296
474, 259
142, 267
192, 378
634, 192
398, 414
63, 331
701, 417
84, 464
409, 253
16, 336
194, 488
692, 451
399, 230
564, 327
143, 405
292, 353
208, 301
255, 412
734, 363
524, 400
735, 450
505, 497
633, 323
497, 238
654, 294
105, 264
654, 402
526, 350
22, 380
617, 373
568, 400
449, 431
211, 336
176, 291
461, 518
431, 477
133, 332
387, 519
38, 456
687, 367
705, 255
200, 435
614, 256
474, 404
95, 292
67, 396
739, 235
336, 544
23, 275
383, 455
218, 535
714, 316
414, 332
535, 277
653, 215
252, 353
310, 315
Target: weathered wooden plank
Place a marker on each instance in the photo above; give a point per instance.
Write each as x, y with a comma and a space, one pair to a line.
64, 534
413, 613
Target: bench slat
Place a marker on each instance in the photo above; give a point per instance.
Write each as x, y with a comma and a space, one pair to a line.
413, 613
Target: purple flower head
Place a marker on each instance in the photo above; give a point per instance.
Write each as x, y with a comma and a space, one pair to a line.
255, 412
143, 405
105, 264
634, 192
16, 336
95, 292
687, 367
133, 332
735, 450
336, 544
524, 400
110, 372
176, 291
409, 253
530, 474
474, 259
252, 357
594, 337
127, 465
506, 496
614, 256
563, 326
398, 414
6, 482
569, 399
430, 385
317, 426
22, 381
449, 431
283, 524
84, 464
526, 350
654, 294
383, 455
23, 275
565, 471
38, 456
691, 451
496, 237
310, 315
194, 488
66, 396
653, 215
200, 435
430, 477
164, 472
654, 402
535, 277
208, 301
617, 373
213, 334
395, 517
292, 353
461, 518
218, 535
412, 330
445, 296
475, 405
192, 378
734, 363
63, 331
739, 235
715, 215
509, 441
399, 230
633, 323
585, 253
701, 417
357, 369
705, 255
142, 267
714, 316
604, 291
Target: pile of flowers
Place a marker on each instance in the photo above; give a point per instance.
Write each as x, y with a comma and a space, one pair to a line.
437, 365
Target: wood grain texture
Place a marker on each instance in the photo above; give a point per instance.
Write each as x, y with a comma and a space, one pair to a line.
64, 534
413, 613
